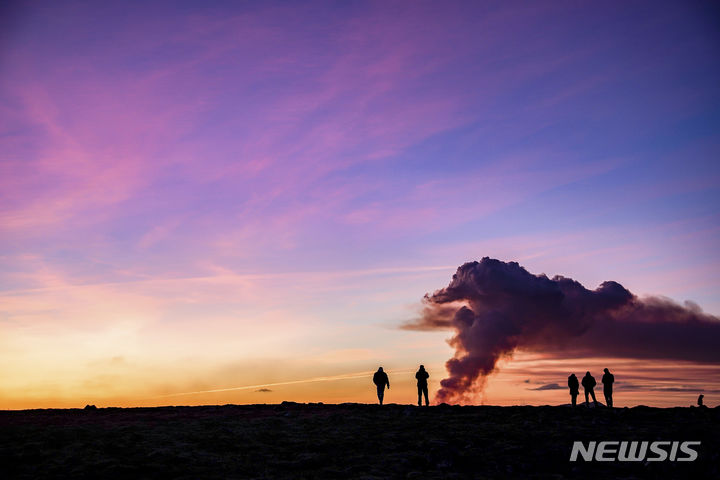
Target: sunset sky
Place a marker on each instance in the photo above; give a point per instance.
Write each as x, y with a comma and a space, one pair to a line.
203, 201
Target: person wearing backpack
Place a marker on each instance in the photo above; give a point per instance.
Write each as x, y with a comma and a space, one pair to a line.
588, 383
380, 379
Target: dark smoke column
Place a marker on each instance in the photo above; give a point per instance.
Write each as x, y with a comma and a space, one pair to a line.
496, 307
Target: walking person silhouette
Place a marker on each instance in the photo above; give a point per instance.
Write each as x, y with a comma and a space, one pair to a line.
380, 379
422, 377
588, 383
574, 386
607, 380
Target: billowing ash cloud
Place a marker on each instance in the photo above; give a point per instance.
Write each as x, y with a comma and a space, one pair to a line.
496, 307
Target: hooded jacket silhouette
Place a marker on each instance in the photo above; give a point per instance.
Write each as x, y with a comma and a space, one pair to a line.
422, 385
380, 379
588, 383
574, 386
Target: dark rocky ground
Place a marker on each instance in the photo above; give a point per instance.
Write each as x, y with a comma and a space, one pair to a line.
344, 441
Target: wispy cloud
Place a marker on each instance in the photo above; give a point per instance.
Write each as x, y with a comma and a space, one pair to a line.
548, 386
174, 178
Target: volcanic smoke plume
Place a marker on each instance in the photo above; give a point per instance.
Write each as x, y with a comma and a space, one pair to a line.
496, 307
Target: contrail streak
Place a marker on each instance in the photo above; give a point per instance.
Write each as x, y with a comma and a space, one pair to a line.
347, 376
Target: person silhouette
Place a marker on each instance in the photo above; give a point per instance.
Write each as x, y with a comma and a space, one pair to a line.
700, 401
422, 377
607, 381
588, 383
574, 386
380, 379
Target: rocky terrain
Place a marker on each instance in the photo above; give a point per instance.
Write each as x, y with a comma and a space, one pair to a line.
344, 441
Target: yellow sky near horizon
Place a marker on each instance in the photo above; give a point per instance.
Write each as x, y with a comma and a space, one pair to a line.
527, 379
134, 343
245, 202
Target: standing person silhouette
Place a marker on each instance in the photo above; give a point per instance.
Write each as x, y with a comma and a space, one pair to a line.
588, 383
574, 386
607, 381
380, 379
422, 377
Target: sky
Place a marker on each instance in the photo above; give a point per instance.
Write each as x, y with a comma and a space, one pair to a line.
242, 202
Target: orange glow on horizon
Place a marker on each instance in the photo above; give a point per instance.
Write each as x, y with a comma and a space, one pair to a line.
528, 379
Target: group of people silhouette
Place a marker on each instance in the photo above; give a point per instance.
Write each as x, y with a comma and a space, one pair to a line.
381, 380
588, 383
